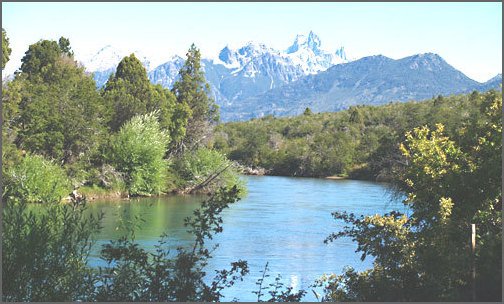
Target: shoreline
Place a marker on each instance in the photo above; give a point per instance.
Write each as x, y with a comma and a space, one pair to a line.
96, 194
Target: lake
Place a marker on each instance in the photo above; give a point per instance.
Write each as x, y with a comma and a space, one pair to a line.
282, 220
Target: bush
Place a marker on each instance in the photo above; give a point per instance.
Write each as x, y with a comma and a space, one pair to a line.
206, 170
137, 150
45, 250
36, 180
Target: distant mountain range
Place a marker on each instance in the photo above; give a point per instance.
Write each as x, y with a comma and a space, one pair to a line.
255, 80
371, 80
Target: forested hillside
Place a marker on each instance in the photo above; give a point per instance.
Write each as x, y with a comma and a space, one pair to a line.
362, 142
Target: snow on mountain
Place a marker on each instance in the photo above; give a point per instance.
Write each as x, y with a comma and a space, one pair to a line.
103, 59
264, 67
306, 52
109, 57
167, 73
236, 73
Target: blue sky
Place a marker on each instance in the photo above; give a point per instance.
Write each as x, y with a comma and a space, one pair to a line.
466, 35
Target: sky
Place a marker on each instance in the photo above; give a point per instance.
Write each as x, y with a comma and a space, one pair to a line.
467, 35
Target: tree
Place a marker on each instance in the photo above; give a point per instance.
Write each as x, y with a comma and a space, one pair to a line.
129, 92
426, 255
46, 248
64, 45
192, 90
137, 150
59, 108
36, 180
6, 50
40, 60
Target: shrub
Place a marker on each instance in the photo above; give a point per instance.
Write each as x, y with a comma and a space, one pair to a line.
207, 169
137, 150
36, 180
44, 252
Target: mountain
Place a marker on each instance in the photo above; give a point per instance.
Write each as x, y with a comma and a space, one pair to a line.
306, 52
493, 83
104, 62
371, 80
255, 80
166, 73
235, 74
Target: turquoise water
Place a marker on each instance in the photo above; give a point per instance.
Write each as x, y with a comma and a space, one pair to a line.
282, 220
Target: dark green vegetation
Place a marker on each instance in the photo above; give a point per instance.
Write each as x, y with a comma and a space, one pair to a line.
129, 137
6, 50
361, 142
59, 133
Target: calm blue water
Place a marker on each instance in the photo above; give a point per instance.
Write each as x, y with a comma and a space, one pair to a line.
282, 220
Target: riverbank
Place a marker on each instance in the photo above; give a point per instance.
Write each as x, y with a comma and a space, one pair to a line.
98, 193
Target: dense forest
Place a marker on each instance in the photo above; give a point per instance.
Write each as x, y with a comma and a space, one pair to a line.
133, 138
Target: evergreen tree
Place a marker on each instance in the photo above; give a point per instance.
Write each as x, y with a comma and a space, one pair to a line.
39, 62
59, 107
64, 44
192, 90
6, 50
129, 92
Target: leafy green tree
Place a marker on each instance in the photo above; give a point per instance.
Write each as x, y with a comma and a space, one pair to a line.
46, 246
6, 50
426, 255
138, 150
129, 92
59, 109
192, 90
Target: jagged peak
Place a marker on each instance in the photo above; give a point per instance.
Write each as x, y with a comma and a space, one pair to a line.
310, 41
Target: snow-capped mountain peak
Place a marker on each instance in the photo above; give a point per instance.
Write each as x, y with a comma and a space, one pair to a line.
310, 41
108, 57
306, 51
103, 59
237, 71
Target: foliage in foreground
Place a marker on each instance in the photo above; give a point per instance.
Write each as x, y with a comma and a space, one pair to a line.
50, 246
426, 255
133, 274
44, 252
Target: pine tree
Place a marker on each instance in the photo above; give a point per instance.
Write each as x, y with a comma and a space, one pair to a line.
6, 50
192, 90
129, 92
39, 62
